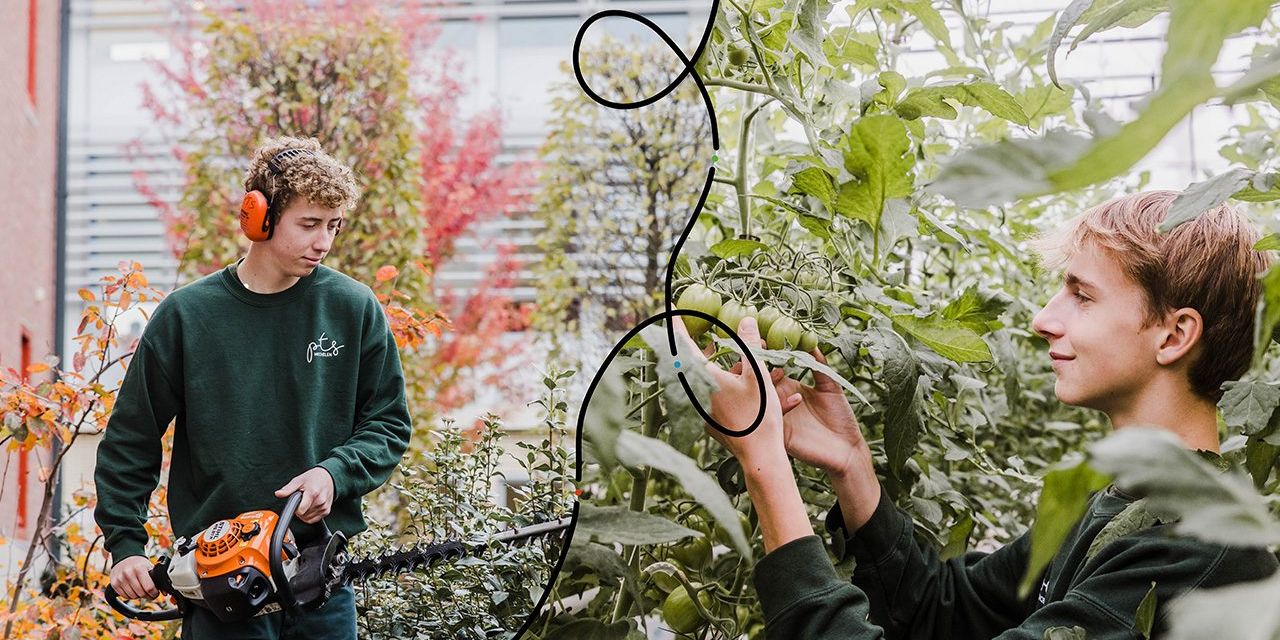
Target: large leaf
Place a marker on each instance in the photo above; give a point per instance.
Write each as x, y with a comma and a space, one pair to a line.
1210, 504
1063, 502
900, 373
635, 450
1217, 613
932, 101
1202, 196
950, 339
1125, 13
1248, 405
878, 153
624, 526
1006, 170
807, 34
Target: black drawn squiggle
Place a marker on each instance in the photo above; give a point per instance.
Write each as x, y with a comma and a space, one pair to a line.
670, 313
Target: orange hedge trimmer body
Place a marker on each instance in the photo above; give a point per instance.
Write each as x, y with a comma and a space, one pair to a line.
249, 565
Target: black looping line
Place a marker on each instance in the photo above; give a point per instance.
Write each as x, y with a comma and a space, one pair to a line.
670, 313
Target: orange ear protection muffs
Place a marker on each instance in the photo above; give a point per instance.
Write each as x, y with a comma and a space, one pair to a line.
258, 216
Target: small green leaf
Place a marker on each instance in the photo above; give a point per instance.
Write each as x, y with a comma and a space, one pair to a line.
1202, 196
1145, 617
1269, 242
878, 154
1063, 501
1247, 405
734, 247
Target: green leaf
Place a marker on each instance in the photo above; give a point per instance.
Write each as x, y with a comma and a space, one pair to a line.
1006, 170
624, 526
815, 182
1210, 504
1267, 318
1202, 196
948, 338
1269, 242
1132, 519
636, 450
1125, 13
807, 35
1145, 617
783, 358
1248, 405
1260, 457
1063, 501
604, 419
958, 538
878, 154
1217, 613
900, 373
930, 19
977, 309
1066, 20
734, 247
1110, 156
685, 422
931, 101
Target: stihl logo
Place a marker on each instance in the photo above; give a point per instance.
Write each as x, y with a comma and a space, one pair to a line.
322, 348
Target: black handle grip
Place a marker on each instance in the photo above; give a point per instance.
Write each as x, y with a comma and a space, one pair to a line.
131, 611
284, 591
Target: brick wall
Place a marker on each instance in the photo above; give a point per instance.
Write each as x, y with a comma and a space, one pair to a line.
28, 219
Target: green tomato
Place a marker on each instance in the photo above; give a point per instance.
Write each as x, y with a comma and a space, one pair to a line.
737, 56
722, 534
665, 581
681, 613
697, 297
808, 341
785, 334
694, 553
766, 318
732, 314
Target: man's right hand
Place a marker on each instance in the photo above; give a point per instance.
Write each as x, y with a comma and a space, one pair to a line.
818, 422
131, 578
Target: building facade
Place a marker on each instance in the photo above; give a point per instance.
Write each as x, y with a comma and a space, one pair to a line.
30, 38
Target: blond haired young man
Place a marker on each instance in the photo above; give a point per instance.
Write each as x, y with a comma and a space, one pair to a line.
1145, 328
283, 375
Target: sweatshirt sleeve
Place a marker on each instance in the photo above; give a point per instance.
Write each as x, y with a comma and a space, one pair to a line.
129, 456
914, 593
381, 433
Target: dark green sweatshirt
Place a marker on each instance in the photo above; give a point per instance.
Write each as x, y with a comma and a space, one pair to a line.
902, 591
263, 387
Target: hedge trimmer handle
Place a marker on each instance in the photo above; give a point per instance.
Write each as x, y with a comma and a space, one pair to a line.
284, 591
160, 577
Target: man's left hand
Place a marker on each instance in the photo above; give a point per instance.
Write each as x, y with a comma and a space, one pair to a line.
317, 494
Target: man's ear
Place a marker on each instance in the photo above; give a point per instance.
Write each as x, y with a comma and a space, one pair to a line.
1183, 328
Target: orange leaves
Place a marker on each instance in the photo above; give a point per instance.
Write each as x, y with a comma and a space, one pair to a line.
386, 272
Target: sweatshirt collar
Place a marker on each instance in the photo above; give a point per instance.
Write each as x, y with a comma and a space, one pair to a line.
233, 284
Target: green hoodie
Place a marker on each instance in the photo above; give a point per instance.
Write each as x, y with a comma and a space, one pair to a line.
901, 590
263, 387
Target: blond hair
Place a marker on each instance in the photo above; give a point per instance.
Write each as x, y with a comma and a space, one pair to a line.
1208, 264
317, 177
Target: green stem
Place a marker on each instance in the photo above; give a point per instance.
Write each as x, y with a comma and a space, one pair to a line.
744, 131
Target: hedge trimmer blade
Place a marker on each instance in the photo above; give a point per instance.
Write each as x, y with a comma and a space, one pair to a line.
427, 555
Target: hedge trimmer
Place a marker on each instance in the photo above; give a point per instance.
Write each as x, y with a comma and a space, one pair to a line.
231, 567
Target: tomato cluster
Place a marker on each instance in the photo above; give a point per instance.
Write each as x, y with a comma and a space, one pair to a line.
780, 330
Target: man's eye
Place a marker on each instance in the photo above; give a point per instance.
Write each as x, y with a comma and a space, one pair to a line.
1081, 297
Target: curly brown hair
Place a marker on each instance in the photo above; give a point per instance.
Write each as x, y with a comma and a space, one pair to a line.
317, 177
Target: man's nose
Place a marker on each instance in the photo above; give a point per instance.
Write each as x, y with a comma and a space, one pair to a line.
1045, 321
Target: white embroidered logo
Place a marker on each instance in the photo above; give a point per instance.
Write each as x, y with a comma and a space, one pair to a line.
324, 348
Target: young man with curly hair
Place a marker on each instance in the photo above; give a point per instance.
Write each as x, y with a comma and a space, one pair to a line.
1145, 329
282, 374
